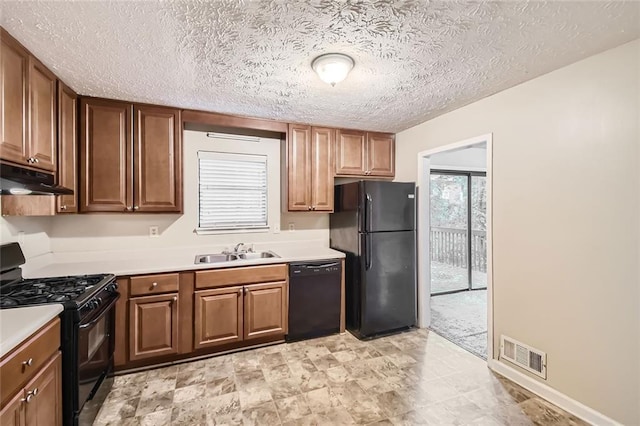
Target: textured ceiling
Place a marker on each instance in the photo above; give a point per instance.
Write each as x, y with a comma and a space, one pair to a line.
414, 59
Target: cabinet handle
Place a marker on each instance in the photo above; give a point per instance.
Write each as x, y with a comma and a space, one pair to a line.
63, 207
309, 207
313, 207
245, 290
28, 362
154, 285
30, 395
239, 291
35, 160
175, 298
136, 207
128, 208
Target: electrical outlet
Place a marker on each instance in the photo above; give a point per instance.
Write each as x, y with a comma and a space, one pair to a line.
276, 229
292, 226
154, 231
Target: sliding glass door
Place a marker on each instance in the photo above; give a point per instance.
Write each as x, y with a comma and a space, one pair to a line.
457, 236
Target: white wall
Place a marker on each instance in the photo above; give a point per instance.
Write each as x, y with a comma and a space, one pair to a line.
30, 232
470, 159
566, 197
88, 232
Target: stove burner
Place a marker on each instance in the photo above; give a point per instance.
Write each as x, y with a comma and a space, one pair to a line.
47, 290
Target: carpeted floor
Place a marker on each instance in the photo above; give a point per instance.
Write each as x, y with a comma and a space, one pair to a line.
462, 319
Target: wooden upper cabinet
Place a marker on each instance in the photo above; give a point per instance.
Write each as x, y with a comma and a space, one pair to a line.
157, 159
310, 168
266, 310
106, 183
299, 168
67, 148
350, 153
28, 122
45, 405
322, 143
380, 154
126, 171
154, 326
14, 87
218, 317
43, 116
365, 154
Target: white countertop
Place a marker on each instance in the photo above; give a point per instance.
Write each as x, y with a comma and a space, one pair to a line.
17, 324
151, 261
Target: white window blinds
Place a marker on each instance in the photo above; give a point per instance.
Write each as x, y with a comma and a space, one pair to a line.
233, 190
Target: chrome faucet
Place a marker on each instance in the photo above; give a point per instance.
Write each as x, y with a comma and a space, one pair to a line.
236, 249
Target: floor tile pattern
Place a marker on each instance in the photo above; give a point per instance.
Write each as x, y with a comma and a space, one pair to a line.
413, 378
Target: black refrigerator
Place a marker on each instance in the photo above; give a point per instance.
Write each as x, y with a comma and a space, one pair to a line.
374, 225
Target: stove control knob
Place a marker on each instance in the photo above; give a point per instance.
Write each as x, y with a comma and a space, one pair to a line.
112, 287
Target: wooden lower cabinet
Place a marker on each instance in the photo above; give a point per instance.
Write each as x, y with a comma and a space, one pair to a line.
218, 317
266, 310
153, 327
40, 402
45, 406
12, 414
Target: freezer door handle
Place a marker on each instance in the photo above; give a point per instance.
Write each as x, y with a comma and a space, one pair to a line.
369, 212
367, 252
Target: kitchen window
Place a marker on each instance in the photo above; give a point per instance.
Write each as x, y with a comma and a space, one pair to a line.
232, 191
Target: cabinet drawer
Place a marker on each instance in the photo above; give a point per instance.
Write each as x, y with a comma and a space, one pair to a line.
154, 284
21, 365
236, 276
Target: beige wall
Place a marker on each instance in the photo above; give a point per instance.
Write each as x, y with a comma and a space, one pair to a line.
88, 232
566, 197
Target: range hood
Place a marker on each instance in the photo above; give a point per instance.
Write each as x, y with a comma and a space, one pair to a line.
16, 180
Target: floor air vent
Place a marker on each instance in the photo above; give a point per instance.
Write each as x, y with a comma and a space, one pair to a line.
523, 356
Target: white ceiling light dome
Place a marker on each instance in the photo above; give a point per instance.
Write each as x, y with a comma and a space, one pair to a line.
332, 68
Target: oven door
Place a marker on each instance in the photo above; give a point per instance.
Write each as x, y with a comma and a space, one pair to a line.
95, 349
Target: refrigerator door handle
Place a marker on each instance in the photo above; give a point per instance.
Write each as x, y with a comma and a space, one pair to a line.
367, 252
369, 212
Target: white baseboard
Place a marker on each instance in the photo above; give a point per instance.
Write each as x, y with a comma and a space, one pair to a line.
544, 391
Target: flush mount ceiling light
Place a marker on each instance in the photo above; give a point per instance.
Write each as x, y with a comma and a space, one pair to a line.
332, 68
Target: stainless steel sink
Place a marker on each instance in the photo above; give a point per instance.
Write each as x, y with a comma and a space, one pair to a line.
229, 257
215, 258
257, 255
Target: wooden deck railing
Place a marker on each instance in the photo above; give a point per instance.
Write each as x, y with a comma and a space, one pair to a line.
449, 245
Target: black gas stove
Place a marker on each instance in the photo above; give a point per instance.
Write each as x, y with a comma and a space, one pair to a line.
87, 327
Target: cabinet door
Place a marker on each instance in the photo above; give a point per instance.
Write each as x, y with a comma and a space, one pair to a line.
154, 326
105, 156
67, 148
350, 153
322, 141
158, 159
218, 317
45, 406
12, 413
299, 168
43, 116
265, 310
380, 154
14, 69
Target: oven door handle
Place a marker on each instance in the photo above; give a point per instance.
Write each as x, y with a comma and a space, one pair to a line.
99, 315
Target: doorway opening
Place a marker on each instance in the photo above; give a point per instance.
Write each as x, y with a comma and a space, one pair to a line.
454, 238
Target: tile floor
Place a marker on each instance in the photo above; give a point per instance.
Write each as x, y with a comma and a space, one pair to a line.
415, 377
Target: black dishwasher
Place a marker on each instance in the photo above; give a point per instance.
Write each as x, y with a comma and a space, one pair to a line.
314, 299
